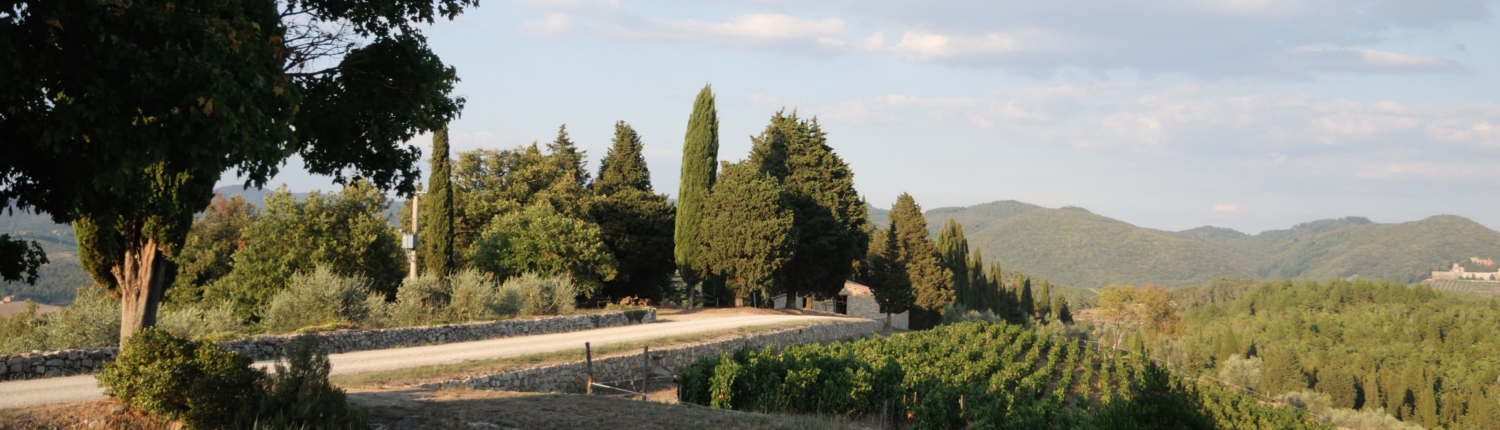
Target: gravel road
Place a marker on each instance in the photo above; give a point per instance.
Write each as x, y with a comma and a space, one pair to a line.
15, 394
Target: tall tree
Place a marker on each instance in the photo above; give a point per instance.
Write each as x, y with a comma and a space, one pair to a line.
830, 216
953, 250
1044, 303
979, 284
885, 274
931, 283
700, 158
568, 158
635, 223
491, 183
436, 236
121, 116
1025, 305
624, 165
1060, 310
747, 231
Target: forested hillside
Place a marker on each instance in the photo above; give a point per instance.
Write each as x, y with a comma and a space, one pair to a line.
1073, 246
1424, 356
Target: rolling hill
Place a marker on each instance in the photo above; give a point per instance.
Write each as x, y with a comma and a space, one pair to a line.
1076, 247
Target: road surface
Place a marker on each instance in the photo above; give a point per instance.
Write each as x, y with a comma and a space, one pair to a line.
15, 394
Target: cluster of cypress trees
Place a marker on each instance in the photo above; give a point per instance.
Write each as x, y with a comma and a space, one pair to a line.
633, 222
981, 288
786, 220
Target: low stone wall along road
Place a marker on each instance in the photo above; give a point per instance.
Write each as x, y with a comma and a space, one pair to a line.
14, 394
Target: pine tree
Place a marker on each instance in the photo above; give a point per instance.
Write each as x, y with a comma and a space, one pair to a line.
568, 158
931, 283
747, 231
436, 233
953, 250
1044, 303
700, 154
829, 215
636, 224
624, 165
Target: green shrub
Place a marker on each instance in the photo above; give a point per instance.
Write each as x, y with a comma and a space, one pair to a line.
299, 394
541, 296
476, 298
194, 322
206, 387
93, 320
171, 377
316, 299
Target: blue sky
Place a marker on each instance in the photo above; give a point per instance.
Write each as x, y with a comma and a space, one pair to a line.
1169, 114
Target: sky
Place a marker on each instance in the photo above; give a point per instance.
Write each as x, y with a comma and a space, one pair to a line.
1168, 114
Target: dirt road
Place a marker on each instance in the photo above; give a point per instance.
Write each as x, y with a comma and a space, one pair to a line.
16, 394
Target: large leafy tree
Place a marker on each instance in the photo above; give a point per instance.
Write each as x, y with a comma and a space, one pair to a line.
540, 240
491, 183
121, 116
435, 239
208, 254
635, 223
700, 159
345, 232
931, 282
830, 216
747, 232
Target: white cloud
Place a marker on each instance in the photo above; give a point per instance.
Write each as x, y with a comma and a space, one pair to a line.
1226, 208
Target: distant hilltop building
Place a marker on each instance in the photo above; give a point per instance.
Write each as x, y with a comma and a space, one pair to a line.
1482, 261
1457, 273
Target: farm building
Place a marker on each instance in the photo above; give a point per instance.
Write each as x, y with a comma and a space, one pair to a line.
855, 300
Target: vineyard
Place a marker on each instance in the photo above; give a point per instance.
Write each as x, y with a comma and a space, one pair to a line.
974, 375
1481, 288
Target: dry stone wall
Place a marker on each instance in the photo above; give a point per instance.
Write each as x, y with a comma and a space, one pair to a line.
38, 364
571, 377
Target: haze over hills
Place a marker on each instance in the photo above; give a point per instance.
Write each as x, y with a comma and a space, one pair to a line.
1073, 246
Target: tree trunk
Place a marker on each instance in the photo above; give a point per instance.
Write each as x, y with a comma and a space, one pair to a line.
791, 298
142, 277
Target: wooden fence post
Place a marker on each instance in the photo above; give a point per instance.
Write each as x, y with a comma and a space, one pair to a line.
645, 371
588, 357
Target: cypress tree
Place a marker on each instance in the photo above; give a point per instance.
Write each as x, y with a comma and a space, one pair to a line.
953, 250
1026, 305
635, 223
436, 226
1044, 303
979, 283
747, 231
999, 294
829, 215
700, 154
1060, 310
885, 274
931, 283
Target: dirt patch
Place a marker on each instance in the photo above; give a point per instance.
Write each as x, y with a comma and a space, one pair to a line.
463, 409
97, 414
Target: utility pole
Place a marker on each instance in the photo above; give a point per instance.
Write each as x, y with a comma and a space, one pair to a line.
409, 241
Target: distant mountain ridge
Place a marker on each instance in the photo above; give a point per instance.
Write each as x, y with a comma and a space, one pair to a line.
1073, 246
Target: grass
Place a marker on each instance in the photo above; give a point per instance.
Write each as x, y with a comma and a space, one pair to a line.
417, 375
